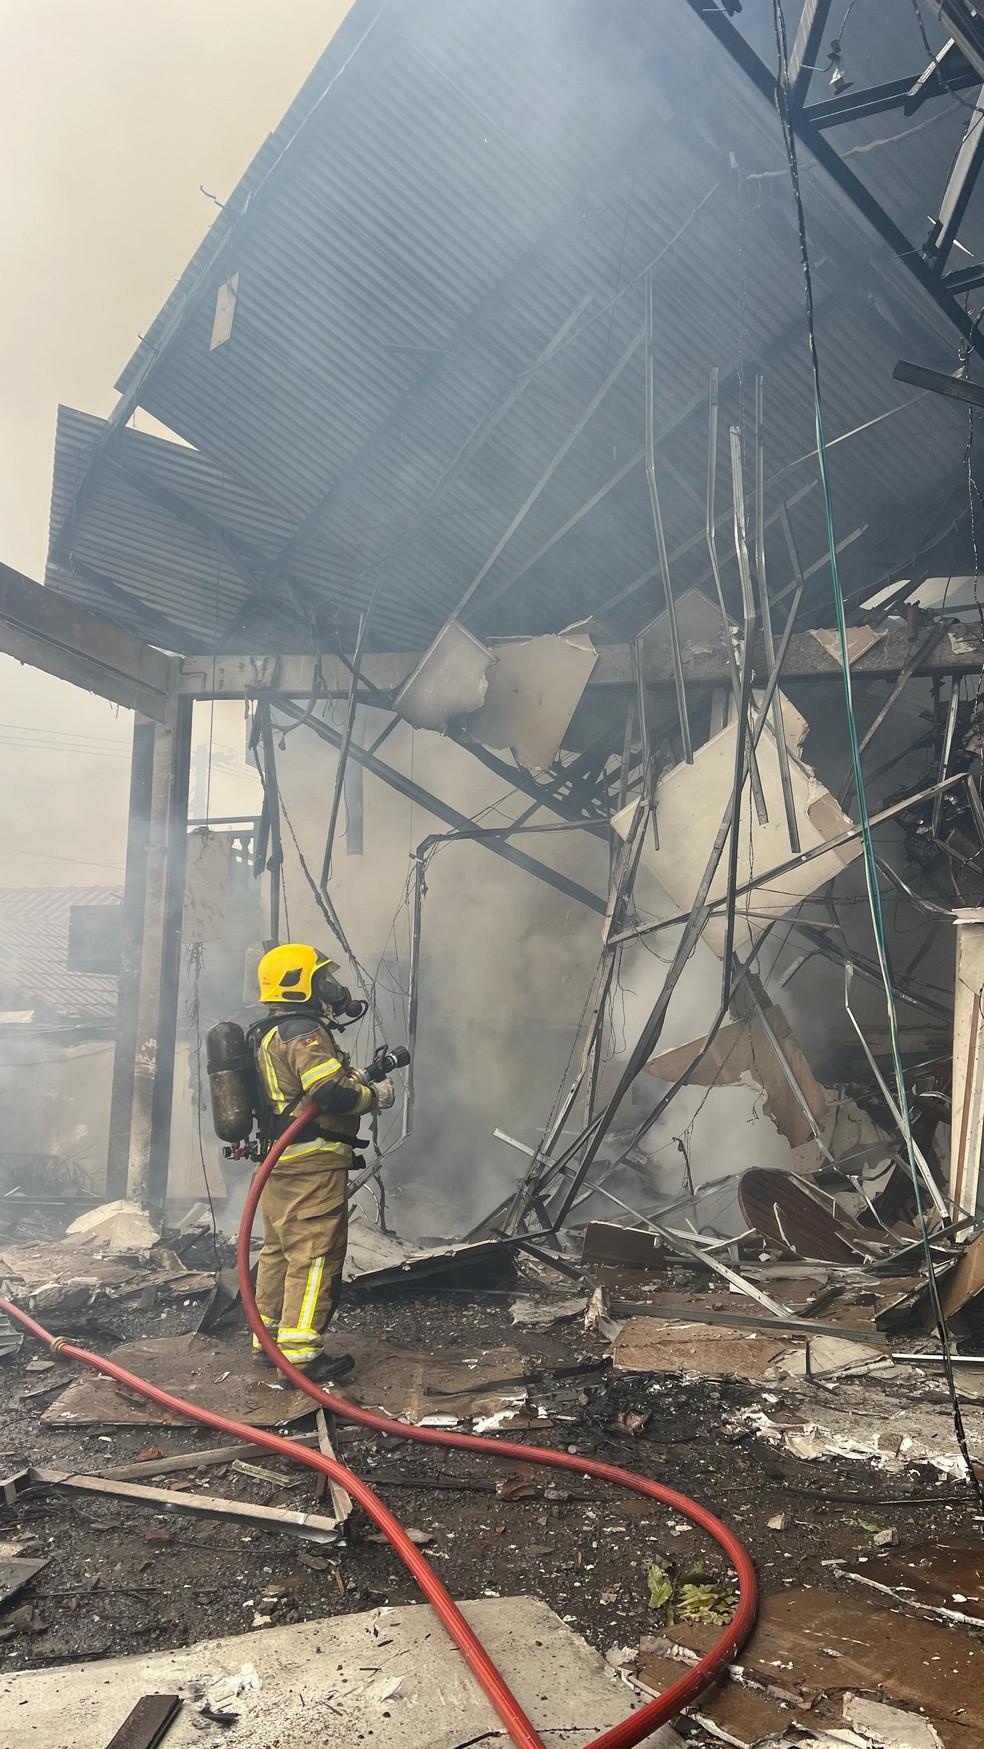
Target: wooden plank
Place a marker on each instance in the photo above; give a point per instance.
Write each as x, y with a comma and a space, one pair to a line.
307, 1525
194, 1460
340, 1501
147, 1723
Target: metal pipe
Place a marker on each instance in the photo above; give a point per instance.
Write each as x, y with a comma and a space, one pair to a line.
951, 723
691, 934
413, 990
765, 608
271, 794
351, 707
710, 536
744, 700
788, 1072
915, 660
645, 750
942, 1206
664, 564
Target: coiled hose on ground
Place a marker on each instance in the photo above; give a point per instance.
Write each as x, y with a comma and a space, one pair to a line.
638, 1725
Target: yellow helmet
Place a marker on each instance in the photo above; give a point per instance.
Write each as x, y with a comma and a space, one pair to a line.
286, 974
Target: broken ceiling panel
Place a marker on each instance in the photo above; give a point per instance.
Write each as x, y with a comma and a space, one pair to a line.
533, 691
449, 681
743, 1055
691, 802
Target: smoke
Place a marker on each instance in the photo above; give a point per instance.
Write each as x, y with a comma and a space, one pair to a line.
505, 970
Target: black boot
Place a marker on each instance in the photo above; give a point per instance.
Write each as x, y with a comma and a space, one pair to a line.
262, 1361
328, 1368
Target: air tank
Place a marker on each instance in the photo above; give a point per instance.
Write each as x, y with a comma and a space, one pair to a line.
231, 1080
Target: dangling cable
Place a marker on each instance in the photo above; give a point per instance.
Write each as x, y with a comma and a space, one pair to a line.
784, 106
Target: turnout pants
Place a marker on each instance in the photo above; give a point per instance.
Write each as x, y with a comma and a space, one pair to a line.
305, 1232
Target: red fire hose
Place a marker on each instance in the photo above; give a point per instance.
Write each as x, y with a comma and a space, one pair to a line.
633, 1729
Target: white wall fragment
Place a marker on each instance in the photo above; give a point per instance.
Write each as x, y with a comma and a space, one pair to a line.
533, 692
450, 680
691, 800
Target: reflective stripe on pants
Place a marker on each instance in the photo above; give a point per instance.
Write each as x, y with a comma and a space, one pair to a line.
305, 1233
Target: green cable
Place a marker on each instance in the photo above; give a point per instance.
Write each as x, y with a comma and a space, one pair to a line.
867, 840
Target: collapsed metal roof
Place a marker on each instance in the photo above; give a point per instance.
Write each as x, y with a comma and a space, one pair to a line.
355, 352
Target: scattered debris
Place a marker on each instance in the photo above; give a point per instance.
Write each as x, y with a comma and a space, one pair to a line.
541, 1314
259, 1474
15, 1573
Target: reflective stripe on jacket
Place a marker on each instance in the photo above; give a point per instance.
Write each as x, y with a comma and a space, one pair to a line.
297, 1055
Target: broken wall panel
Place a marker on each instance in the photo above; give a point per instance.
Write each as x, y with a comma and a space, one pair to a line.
691, 800
533, 691
744, 1055
449, 681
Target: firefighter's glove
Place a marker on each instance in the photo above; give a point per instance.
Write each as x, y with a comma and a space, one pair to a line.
385, 1094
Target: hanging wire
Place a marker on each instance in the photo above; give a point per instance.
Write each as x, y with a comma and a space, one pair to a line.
195, 964
784, 105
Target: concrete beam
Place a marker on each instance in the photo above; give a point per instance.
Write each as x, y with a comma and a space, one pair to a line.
958, 651
44, 629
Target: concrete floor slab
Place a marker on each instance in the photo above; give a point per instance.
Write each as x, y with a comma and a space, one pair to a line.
389, 1678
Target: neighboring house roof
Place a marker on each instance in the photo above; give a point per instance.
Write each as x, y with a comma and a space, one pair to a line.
34, 974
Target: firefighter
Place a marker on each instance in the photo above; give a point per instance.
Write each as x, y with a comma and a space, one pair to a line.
305, 1202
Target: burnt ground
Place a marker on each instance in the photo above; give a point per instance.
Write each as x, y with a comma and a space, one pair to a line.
121, 1578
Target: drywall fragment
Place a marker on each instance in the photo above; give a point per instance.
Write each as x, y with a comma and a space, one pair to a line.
743, 1054
119, 1226
967, 1118
860, 639
889, 1727
449, 681
823, 1355
542, 1313
533, 691
691, 800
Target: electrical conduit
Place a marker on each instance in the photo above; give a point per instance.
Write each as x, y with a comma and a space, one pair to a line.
523, 1733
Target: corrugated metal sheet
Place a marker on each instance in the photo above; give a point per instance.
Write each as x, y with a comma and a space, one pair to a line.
454, 179
34, 936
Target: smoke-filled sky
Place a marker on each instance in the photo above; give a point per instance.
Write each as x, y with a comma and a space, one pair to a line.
113, 115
